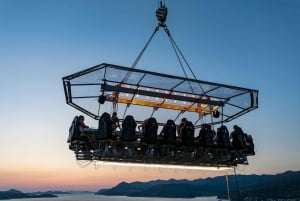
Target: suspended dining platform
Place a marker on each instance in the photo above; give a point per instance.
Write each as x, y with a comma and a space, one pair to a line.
104, 84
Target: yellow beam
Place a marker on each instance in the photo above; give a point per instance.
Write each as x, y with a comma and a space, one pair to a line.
202, 108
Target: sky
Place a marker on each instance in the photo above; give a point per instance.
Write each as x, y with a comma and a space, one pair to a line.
250, 43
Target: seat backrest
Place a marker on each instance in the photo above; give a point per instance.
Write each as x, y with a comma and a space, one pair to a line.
74, 131
209, 134
206, 136
128, 128
169, 131
224, 136
241, 138
238, 138
188, 132
105, 127
150, 130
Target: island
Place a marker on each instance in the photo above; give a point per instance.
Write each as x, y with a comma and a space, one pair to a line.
16, 194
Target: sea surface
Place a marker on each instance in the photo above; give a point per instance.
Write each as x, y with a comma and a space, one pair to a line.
92, 197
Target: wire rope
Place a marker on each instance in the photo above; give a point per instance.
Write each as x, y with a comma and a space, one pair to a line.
140, 55
237, 185
83, 164
227, 184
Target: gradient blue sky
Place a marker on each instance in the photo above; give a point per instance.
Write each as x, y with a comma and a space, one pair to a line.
249, 43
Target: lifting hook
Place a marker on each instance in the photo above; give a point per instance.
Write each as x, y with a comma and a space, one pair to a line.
161, 14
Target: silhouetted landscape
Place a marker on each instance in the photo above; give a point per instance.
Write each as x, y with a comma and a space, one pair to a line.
283, 186
251, 187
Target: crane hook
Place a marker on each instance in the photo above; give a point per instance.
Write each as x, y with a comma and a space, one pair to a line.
161, 14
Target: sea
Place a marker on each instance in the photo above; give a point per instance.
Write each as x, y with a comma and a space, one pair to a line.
93, 197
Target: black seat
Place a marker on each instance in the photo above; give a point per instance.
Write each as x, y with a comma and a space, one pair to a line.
150, 131
128, 128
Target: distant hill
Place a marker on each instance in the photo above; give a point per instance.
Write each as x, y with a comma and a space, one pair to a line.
285, 186
14, 194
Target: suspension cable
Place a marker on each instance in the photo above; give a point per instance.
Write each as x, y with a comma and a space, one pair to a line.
161, 14
127, 106
154, 110
136, 61
140, 54
176, 49
228, 191
181, 112
176, 52
237, 185
145, 47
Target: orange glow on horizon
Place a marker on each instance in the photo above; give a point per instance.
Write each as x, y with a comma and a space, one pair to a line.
91, 178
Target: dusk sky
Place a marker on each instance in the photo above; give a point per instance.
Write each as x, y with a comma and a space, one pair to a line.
247, 43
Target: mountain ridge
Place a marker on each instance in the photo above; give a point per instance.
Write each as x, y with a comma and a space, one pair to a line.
279, 186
